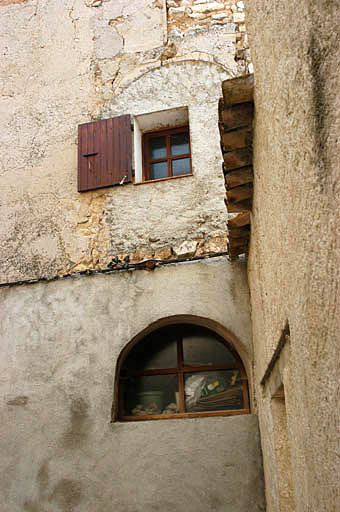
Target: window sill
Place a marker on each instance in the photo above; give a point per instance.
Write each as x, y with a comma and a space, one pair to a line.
182, 415
163, 179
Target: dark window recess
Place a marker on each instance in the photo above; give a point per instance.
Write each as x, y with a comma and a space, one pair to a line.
182, 371
104, 153
166, 154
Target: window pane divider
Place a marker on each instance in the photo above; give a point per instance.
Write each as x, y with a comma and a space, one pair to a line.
181, 390
148, 162
208, 368
161, 371
179, 157
168, 150
184, 369
171, 157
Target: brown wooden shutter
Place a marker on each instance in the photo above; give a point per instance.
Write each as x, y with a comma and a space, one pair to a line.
104, 153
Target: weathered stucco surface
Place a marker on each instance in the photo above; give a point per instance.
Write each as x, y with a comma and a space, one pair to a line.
66, 62
58, 363
295, 256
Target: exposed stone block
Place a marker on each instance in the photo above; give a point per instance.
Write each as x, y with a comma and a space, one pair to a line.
197, 15
163, 254
230, 27
219, 16
177, 10
216, 244
211, 6
143, 254
238, 17
186, 249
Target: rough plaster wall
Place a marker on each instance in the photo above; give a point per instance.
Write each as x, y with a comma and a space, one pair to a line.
146, 215
43, 95
294, 260
58, 448
71, 61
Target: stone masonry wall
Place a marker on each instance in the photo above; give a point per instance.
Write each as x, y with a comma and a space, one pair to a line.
67, 62
194, 17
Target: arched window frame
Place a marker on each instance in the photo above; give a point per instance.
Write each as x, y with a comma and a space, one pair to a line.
181, 370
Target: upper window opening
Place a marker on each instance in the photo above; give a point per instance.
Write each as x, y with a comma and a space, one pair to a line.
166, 154
161, 144
151, 147
179, 372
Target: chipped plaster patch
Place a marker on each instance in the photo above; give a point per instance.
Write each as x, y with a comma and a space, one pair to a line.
92, 226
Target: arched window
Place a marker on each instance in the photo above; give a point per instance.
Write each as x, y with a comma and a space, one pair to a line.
181, 371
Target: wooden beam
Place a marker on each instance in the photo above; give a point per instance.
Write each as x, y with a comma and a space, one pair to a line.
238, 90
243, 232
242, 206
237, 116
238, 242
237, 139
238, 194
236, 251
237, 158
240, 220
239, 177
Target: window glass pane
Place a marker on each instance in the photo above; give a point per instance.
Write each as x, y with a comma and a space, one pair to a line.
180, 143
213, 391
157, 147
200, 347
181, 166
147, 395
159, 170
156, 351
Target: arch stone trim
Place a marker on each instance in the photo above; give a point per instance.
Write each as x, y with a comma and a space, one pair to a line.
196, 57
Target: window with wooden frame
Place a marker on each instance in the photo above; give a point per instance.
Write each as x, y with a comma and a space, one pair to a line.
166, 154
181, 371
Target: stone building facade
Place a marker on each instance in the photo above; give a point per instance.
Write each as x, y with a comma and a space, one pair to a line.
83, 275
70, 63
